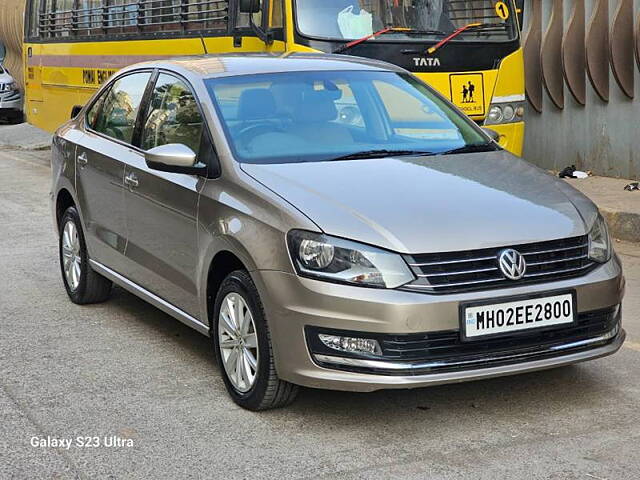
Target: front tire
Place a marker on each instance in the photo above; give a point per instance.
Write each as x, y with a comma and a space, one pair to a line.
82, 284
242, 345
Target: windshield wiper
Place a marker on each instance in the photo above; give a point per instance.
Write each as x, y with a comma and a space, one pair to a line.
411, 31
353, 43
471, 148
444, 41
381, 153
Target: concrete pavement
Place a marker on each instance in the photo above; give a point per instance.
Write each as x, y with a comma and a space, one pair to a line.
621, 208
24, 136
125, 369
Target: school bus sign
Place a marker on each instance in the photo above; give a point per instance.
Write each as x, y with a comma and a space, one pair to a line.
467, 92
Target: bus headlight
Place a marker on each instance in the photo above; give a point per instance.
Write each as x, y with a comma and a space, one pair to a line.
494, 116
509, 112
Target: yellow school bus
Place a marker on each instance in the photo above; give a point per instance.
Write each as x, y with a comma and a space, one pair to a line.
469, 50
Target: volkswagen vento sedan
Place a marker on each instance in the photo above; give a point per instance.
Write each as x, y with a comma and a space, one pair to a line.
329, 222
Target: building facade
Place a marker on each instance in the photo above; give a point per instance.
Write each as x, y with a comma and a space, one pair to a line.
582, 62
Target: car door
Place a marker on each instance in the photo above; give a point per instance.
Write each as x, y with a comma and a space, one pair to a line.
161, 207
102, 150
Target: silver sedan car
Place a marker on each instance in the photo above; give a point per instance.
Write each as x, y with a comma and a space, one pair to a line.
329, 222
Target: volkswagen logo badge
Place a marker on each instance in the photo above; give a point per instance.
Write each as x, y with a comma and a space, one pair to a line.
512, 264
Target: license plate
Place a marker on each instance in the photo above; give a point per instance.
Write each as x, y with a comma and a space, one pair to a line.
488, 319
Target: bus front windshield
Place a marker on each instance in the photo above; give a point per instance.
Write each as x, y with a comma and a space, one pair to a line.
416, 19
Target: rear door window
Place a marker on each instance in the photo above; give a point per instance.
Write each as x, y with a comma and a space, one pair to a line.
117, 118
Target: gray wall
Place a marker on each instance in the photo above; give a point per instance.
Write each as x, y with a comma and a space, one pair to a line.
600, 136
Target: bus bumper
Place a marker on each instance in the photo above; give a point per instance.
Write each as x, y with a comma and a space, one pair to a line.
511, 136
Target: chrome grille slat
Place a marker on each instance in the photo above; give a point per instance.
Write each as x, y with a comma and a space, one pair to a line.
556, 272
444, 285
478, 269
555, 250
533, 264
460, 272
428, 264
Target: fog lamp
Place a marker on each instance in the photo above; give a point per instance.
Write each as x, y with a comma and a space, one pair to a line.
351, 344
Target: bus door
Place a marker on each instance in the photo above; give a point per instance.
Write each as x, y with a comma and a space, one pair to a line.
33, 81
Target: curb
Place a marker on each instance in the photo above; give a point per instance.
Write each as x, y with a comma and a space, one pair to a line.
622, 225
27, 148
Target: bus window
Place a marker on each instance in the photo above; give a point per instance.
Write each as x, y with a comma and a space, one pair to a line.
63, 18
57, 20
89, 17
34, 19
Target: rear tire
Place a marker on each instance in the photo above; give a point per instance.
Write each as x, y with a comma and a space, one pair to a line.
259, 388
83, 285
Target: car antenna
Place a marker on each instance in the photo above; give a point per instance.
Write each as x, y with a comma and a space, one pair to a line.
204, 45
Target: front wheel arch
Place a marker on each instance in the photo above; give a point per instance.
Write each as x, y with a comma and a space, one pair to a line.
222, 264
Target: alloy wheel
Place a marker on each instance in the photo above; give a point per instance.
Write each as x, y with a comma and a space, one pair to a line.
71, 257
238, 342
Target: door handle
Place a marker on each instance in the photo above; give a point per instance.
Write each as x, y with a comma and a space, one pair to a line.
82, 159
131, 180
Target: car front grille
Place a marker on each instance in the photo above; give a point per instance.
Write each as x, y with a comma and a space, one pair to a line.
478, 269
447, 344
9, 95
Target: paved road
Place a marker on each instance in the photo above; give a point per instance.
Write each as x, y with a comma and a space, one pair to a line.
125, 369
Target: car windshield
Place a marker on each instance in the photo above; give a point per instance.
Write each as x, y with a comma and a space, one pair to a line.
352, 19
319, 116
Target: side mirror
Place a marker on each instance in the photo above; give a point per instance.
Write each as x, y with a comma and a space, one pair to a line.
495, 136
249, 6
175, 158
75, 110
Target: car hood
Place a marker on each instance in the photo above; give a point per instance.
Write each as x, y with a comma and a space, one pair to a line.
432, 204
5, 78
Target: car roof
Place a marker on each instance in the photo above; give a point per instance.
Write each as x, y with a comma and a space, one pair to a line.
211, 66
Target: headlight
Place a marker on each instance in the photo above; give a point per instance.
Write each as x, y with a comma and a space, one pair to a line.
495, 115
505, 113
334, 259
599, 241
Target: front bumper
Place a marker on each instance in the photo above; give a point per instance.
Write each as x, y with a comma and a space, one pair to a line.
11, 101
511, 136
293, 303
